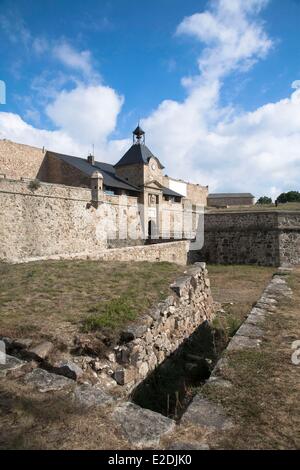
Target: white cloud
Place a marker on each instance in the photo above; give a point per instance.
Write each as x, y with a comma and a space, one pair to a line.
70, 57
233, 40
87, 113
84, 115
197, 139
40, 45
13, 127
202, 141
296, 84
15, 29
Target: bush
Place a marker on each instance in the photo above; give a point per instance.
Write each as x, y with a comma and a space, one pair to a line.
34, 185
264, 200
290, 196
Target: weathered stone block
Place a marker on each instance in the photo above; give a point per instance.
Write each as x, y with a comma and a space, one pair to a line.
123, 376
142, 427
68, 369
11, 364
47, 382
41, 351
204, 413
91, 396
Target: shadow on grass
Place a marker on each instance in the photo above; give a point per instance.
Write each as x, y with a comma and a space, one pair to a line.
28, 421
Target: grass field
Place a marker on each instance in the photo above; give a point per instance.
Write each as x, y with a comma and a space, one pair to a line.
58, 298
265, 404
236, 288
265, 401
289, 206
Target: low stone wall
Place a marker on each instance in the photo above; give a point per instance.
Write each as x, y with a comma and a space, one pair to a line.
263, 238
146, 344
173, 252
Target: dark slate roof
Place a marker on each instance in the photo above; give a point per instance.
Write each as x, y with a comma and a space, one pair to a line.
170, 192
138, 153
221, 195
108, 171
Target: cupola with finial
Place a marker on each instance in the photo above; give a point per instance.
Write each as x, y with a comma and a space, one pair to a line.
138, 135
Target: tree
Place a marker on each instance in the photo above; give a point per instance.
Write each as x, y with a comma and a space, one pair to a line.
264, 200
290, 196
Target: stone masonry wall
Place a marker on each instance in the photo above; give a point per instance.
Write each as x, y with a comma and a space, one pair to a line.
59, 222
230, 201
147, 343
263, 238
57, 171
20, 161
197, 194
289, 237
173, 252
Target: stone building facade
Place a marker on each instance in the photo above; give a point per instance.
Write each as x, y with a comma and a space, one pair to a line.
56, 205
138, 174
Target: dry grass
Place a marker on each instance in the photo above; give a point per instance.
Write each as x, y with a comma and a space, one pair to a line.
237, 288
289, 206
264, 401
55, 299
31, 420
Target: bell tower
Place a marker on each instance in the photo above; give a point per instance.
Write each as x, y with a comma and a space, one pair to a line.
138, 135
138, 165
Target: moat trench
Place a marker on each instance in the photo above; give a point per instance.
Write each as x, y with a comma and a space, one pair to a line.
169, 389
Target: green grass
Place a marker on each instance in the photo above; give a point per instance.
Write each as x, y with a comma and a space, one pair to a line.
228, 324
114, 313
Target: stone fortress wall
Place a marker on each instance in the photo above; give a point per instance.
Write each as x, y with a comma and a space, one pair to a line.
56, 221
264, 238
20, 161
59, 219
25, 161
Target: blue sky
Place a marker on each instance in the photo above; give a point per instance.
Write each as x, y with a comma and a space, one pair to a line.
130, 58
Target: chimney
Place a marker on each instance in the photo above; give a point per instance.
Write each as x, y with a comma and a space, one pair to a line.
91, 159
